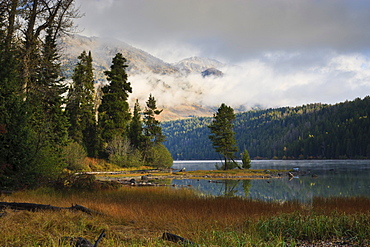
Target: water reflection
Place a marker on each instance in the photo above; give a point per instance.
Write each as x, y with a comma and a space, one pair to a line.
317, 178
225, 188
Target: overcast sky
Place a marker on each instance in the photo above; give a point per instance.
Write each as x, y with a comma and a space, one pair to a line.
289, 52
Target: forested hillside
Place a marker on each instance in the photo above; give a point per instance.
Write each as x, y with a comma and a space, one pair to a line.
311, 131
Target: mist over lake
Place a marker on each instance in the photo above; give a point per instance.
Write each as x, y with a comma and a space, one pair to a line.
324, 178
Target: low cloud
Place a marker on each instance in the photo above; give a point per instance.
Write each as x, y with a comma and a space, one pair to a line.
283, 52
261, 82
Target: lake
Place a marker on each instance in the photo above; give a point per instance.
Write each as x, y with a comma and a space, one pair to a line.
325, 178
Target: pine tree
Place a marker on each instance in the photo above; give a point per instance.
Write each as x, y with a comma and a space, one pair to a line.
223, 135
32, 123
114, 111
49, 112
246, 160
15, 134
33, 129
135, 132
152, 128
155, 153
80, 106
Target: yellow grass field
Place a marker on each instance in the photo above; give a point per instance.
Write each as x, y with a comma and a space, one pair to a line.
138, 216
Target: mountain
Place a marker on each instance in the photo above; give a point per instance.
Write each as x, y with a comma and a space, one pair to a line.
177, 87
212, 72
103, 50
314, 131
197, 64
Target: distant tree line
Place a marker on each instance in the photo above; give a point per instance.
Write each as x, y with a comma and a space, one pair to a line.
314, 131
48, 123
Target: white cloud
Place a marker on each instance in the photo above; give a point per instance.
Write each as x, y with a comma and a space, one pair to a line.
258, 82
286, 52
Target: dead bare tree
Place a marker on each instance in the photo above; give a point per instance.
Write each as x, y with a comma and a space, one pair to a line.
36, 16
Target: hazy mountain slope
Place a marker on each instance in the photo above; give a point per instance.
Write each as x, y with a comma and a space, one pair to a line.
139, 61
103, 50
178, 88
197, 64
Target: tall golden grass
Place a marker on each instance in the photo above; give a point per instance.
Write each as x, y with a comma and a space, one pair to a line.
138, 216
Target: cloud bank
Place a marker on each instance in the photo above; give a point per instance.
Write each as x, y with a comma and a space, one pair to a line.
281, 52
262, 82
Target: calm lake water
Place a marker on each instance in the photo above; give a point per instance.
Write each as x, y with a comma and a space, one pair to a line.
333, 178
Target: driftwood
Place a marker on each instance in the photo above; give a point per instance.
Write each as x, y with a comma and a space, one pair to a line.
27, 206
6, 192
83, 242
175, 238
37, 207
77, 207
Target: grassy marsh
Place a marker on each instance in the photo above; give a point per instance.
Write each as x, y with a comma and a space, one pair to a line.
138, 216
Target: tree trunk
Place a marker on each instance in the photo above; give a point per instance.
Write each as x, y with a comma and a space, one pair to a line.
11, 23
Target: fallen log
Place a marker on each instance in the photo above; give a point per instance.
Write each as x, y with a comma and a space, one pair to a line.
176, 239
83, 209
27, 206
6, 192
37, 207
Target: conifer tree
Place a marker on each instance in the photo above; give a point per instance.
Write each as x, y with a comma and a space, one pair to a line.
135, 132
34, 128
114, 111
246, 160
15, 134
80, 106
154, 152
223, 135
32, 123
49, 113
152, 128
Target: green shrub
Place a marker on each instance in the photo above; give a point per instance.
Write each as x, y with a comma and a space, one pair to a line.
159, 157
74, 155
121, 153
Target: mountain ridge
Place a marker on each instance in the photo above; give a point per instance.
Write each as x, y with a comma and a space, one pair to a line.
312, 131
147, 73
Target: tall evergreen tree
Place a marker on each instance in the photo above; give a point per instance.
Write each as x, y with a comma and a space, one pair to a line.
33, 129
154, 152
15, 134
135, 132
50, 115
32, 124
152, 127
114, 111
80, 106
223, 135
